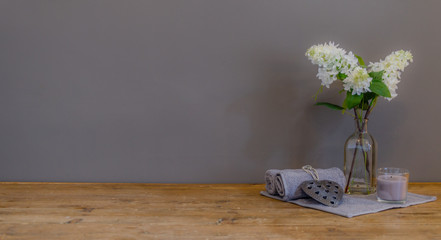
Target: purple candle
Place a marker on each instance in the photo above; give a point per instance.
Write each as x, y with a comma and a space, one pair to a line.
392, 185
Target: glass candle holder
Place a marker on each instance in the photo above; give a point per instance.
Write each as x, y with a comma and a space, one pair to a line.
392, 185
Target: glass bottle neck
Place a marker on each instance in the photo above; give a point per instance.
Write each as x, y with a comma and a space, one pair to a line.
361, 126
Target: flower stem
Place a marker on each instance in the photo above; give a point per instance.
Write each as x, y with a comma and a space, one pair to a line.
355, 152
352, 166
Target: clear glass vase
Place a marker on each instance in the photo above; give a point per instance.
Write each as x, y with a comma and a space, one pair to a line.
360, 160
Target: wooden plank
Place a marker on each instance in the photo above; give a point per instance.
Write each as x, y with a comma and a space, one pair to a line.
193, 211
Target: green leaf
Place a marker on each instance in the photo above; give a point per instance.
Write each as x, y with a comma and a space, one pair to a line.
329, 105
341, 76
377, 76
360, 61
368, 96
352, 100
379, 88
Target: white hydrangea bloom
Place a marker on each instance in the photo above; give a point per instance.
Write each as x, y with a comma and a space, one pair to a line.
331, 60
392, 66
358, 81
327, 77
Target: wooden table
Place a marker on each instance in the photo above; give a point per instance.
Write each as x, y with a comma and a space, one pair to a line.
194, 211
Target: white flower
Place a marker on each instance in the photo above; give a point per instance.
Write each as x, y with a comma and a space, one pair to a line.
331, 60
327, 77
392, 66
358, 81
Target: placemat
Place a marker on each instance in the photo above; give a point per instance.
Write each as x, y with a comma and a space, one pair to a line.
356, 205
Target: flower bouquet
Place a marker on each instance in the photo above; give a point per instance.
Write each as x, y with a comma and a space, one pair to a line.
363, 85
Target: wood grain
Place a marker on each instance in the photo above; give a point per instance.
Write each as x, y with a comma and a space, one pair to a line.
194, 211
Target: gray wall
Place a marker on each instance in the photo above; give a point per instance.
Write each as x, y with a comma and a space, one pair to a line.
204, 91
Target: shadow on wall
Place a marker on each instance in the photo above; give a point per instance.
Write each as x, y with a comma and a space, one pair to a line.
284, 125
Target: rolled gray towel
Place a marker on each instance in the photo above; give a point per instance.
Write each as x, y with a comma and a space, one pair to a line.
288, 181
270, 180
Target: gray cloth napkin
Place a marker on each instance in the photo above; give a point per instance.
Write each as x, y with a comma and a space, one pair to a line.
356, 205
287, 181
